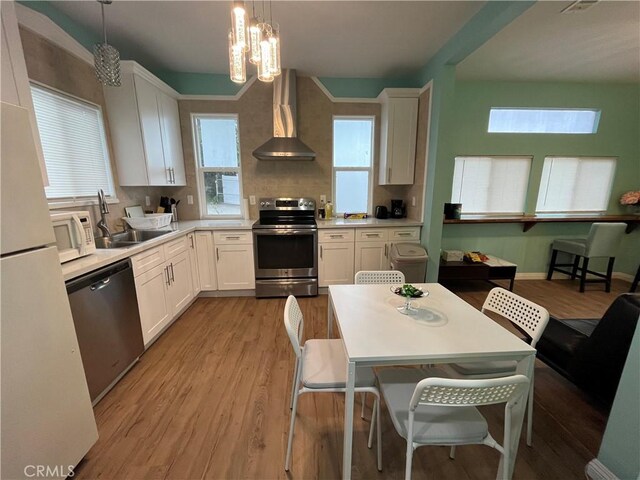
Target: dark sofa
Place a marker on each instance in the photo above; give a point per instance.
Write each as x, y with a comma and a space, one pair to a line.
592, 353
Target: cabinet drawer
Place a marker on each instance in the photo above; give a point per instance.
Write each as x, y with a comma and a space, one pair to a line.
404, 234
232, 238
145, 261
175, 247
371, 234
336, 235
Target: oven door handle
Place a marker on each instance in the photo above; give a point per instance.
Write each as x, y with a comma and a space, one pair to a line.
286, 232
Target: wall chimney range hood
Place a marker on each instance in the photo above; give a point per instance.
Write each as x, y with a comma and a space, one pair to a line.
285, 144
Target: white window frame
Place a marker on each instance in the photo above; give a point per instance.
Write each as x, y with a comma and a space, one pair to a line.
84, 201
578, 212
353, 169
200, 171
498, 214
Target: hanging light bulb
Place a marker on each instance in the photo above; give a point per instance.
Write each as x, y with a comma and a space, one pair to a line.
237, 64
274, 49
255, 37
106, 58
239, 25
265, 73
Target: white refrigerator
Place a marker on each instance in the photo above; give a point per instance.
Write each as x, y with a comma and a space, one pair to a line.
47, 421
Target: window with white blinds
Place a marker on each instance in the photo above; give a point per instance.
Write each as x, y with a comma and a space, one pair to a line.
74, 145
575, 184
491, 185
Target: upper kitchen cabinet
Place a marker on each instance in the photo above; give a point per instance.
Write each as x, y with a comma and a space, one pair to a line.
145, 127
398, 135
15, 81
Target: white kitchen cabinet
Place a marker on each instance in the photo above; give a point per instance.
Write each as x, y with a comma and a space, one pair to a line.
371, 256
206, 261
398, 136
153, 301
193, 260
164, 285
335, 263
145, 128
180, 288
15, 88
234, 265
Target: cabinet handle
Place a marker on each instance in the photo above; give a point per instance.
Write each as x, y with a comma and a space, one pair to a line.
166, 271
389, 174
320, 251
372, 235
217, 254
403, 234
168, 175
192, 245
233, 238
173, 278
336, 236
386, 250
173, 175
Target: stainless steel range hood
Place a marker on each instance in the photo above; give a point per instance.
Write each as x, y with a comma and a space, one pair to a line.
285, 144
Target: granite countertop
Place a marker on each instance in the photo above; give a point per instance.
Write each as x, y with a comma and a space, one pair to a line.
104, 257
368, 222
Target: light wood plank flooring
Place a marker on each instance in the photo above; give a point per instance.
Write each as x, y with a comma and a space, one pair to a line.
210, 399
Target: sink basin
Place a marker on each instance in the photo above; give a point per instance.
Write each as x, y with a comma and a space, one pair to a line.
128, 238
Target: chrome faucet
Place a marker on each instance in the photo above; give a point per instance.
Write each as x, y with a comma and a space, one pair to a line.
104, 209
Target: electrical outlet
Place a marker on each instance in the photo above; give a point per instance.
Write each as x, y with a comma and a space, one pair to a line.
189, 199
252, 199
147, 200
323, 199
413, 201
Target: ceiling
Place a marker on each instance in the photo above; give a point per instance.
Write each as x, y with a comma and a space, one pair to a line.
322, 38
600, 44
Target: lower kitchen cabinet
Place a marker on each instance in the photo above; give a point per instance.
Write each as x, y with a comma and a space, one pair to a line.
335, 263
164, 285
372, 256
193, 260
234, 265
206, 261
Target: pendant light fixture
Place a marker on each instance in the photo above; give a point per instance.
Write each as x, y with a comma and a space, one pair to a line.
106, 57
255, 39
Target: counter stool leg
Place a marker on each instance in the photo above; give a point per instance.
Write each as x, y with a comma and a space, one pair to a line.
583, 274
552, 264
609, 274
634, 285
574, 270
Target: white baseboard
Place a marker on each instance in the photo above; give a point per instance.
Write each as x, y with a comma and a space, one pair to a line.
596, 470
228, 293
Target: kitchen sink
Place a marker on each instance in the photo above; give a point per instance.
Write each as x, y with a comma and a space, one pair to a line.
128, 238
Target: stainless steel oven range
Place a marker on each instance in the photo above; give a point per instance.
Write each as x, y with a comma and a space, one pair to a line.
285, 243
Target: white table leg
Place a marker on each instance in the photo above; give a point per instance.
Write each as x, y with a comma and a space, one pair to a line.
329, 317
525, 367
348, 420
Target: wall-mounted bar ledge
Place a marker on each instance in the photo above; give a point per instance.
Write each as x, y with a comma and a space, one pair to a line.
528, 221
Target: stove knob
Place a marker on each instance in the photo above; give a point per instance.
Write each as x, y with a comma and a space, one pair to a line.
262, 204
267, 204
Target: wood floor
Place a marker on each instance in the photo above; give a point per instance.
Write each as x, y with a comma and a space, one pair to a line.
210, 399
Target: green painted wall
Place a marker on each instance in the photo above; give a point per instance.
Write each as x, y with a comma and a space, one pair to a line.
620, 448
618, 136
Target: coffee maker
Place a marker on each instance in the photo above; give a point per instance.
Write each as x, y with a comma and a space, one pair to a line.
398, 210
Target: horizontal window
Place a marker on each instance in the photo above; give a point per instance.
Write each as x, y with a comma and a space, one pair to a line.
550, 120
575, 184
491, 185
217, 143
74, 146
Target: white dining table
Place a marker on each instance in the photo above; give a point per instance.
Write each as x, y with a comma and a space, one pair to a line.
444, 329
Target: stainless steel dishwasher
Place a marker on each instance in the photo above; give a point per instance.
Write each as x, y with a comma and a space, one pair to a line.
105, 314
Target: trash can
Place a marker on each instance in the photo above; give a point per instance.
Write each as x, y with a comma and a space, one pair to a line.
410, 259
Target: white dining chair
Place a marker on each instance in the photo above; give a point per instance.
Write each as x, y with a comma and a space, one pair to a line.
442, 411
370, 277
528, 317
321, 366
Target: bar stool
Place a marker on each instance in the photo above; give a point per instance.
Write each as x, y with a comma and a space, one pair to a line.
603, 241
